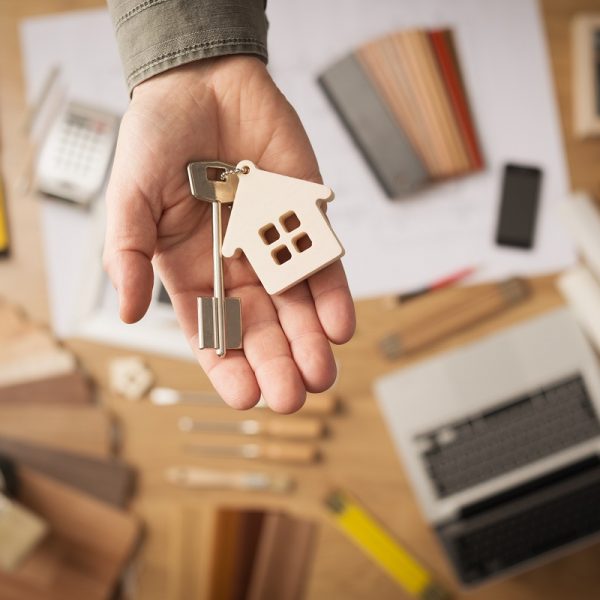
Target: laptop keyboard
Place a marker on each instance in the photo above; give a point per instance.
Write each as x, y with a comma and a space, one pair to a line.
515, 433
540, 519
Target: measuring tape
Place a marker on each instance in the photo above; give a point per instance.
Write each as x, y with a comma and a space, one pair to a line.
4, 241
383, 548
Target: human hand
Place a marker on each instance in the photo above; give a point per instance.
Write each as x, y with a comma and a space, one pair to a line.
225, 109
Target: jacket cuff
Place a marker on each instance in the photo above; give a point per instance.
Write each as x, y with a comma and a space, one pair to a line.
157, 35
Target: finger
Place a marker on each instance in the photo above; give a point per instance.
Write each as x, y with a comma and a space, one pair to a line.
129, 247
333, 302
309, 345
231, 376
265, 366
268, 352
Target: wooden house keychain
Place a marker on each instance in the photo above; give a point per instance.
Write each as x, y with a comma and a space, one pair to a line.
278, 222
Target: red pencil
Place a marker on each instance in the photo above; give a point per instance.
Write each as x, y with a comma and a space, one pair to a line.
444, 282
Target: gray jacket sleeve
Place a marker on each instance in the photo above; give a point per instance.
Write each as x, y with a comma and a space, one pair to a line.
156, 35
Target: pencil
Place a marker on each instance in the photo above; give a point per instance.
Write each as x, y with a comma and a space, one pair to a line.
4, 235
439, 284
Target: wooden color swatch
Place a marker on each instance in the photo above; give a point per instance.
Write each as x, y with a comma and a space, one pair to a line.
69, 388
386, 71
50, 363
12, 321
283, 559
387, 148
443, 45
87, 549
416, 75
20, 531
29, 343
407, 47
440, 101
29, 352
87, 430
260, 555
107, 479
237, 536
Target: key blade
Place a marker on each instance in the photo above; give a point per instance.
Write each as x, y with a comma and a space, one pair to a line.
207, 323
206, 184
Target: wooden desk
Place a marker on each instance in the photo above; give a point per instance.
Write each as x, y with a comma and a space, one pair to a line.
358, 453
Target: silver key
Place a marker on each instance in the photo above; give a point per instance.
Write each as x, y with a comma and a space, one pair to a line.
219, 318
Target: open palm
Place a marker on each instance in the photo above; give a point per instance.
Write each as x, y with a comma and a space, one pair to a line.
225, 109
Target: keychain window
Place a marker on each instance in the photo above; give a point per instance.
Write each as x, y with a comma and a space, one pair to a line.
281, 255
290, 221
269, 234
302, 242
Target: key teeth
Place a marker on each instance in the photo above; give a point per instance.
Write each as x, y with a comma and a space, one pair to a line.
207, 325
233, 323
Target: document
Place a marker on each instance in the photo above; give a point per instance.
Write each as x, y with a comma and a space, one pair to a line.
390, 246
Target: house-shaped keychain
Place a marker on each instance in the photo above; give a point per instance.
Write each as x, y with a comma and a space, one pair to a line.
279, 223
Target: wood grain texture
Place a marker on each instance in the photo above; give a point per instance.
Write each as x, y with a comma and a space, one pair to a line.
175, 562
107, 479
389, 75
84, 429
87, 548
583, 155
72, 388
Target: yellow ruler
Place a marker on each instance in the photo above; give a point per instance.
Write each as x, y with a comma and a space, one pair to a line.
4, 240
383, 548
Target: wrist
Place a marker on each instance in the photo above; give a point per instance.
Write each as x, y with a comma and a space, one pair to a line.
205, 72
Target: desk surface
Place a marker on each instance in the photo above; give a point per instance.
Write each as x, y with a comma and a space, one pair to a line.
358, 454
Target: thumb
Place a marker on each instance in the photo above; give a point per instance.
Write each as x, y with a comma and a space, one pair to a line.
129, 247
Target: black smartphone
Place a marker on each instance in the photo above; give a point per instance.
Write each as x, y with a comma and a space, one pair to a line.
518, 206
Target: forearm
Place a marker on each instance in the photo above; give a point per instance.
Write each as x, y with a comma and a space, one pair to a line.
156, 35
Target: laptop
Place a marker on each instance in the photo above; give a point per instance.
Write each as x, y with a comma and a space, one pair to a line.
501, 441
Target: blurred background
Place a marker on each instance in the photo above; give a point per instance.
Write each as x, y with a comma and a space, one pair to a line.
457, 455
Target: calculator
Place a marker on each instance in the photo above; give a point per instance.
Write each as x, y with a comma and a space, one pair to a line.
74, 159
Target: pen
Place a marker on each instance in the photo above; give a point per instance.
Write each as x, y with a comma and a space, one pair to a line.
439, 284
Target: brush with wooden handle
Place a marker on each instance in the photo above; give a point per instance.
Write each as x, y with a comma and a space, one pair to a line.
280, 452
299, 428
198, 478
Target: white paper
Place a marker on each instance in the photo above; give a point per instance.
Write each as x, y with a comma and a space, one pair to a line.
395, 246
390, 246
82, 44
